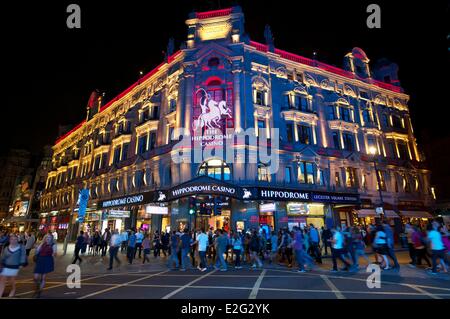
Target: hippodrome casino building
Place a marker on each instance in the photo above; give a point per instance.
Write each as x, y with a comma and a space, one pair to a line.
331, 120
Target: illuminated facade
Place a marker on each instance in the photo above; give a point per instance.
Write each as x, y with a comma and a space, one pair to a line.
328, 120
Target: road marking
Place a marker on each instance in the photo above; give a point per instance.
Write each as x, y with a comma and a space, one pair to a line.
429, 294
255, 289
63, 284
333, 288
187, 285
120, 285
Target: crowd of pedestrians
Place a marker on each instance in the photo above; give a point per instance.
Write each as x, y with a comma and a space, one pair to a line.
302, 248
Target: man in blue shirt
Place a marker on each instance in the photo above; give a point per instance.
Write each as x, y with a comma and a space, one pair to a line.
139, 240
174, 248
390, 244
78, 245
185, 247
315, 240
131, 247
222, 244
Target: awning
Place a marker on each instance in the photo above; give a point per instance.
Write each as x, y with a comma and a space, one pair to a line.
372, 213
415, 213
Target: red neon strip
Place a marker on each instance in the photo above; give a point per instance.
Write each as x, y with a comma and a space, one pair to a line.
297, 58
122, 94
213, 14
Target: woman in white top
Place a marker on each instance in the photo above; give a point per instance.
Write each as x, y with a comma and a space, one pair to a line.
13, 257
380, 245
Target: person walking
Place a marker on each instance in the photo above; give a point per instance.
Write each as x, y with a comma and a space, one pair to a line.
30, 241
315, 242
254, 247
146, 246
202, 242
273, 247
420, 249
165, 239
185, 247
437, 246
55, 236
380, 244
124, 239
45, 263
409, 230
390, 244
131, 247
358, 247
106, 237
78, 246
85, 243
337, 249
174, 247
326, 236
114, 245
286, 251
221, 246
12, 259
236, 243
139, 239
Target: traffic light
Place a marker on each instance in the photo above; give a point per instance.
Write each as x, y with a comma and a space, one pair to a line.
203, 210
192, 205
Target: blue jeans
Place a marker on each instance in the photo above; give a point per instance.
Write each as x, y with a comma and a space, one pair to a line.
184, 255
202, 259
220, 259
237, 253
299, 258
174, 258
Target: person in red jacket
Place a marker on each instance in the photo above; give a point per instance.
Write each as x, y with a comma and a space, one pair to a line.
420, 249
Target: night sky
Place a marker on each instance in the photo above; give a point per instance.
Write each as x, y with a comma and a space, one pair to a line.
49, 70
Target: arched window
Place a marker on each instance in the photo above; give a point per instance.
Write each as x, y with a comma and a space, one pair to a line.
263, 173
215, 168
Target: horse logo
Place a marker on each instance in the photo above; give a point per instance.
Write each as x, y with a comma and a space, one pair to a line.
162, 196
212, 112
247, 193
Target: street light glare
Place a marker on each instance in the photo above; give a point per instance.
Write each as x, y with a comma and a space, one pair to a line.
372, 150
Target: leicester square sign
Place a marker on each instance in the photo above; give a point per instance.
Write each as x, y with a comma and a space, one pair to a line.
209, 114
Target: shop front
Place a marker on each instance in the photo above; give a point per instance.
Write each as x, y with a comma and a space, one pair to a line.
416, 217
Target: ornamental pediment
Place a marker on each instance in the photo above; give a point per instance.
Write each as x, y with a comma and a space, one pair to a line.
343, 126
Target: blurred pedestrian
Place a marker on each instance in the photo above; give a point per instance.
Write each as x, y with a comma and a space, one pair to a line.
146, 246
12, 258
114, 245
45, 263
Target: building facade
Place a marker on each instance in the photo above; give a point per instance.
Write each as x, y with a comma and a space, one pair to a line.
166, 153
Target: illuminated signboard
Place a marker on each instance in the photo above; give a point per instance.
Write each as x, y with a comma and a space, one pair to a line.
157, 210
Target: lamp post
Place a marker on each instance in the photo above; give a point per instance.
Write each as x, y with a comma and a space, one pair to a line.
373, 151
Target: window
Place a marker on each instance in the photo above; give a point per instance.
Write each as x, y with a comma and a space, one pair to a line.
336, 143
301, 103
259, 97
332, 113
406, 184
215, 168
97, 163
213, 62
154, 112
125, 151
402, 149
348, 141
152, 140
142, 144
345, 114
116, 158
392, 149
321, 177
172, 105
306, 172
287, 175
170, 136
367, 117
103, 162
287, 101
385, 120
337, 179
397, 121
289, 129
382, 181
352, 178
299, 77
304, 134
371, 142
364, 95
263, 173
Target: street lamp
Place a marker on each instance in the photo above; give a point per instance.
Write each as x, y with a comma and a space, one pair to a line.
373, 151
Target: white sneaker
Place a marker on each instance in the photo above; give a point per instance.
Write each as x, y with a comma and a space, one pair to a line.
203, 269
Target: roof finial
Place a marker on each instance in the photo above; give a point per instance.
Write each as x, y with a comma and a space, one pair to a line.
269, 38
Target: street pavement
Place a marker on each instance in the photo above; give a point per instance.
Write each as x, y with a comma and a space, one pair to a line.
155, 281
